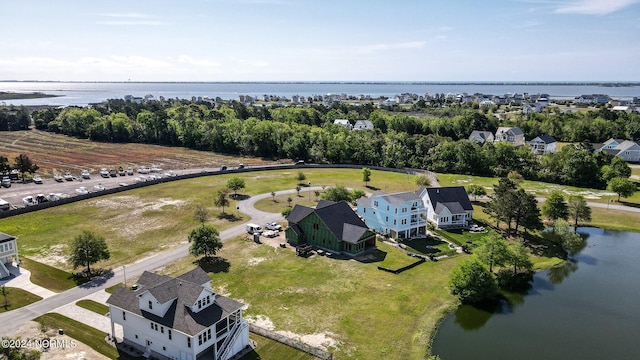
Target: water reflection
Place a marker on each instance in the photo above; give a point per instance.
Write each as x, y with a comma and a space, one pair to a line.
558, 274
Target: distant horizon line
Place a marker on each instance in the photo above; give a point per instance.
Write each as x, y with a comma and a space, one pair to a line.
391, 82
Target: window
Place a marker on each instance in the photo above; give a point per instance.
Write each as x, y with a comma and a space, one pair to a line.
188, 342
404, 210
199, 304
375, 203
364, 210
200, 339
404, 221
315, 227
136, 336
164, 348
169, 331
395, 222
156, 326
150, 304
124, 316
386, 218
162, 329
387, 207
151, 326
396, 210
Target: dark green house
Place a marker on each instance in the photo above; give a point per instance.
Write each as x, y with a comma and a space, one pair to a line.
331, 226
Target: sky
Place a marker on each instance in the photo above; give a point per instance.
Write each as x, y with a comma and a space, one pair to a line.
320, 40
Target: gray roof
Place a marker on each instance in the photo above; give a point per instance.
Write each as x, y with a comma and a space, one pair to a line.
196, 276
6, 237
364, 201
454, 198
183, 293
298, 213
480, 134
338, 215
322, 203
400, 197
547, 139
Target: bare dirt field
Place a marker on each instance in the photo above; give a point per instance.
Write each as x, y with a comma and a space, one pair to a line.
60, 153
74, 351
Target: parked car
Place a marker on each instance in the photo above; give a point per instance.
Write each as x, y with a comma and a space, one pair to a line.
104, 173
57, 177
121, 171
4, 205
299, 163
129, 170
113, 173
40, 198
271, 233
273, 226
68, 176
254, 229
223, 168
37, 179
241, 166
82, 190
99, 187
85, 174
6, 181
29, 201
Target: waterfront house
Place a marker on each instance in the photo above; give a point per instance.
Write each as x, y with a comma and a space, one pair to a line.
627, 150
543, 144
398, 215
332, 226
481, 136
512, 135
8, 253
178, 318
448, 207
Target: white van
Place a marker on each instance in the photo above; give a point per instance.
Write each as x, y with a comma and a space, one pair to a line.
254, 229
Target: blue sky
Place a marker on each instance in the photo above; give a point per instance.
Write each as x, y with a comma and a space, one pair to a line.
321, 40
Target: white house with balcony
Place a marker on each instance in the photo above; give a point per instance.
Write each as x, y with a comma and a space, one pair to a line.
8, 253
178, 318
448, 207
543, 144
399, 215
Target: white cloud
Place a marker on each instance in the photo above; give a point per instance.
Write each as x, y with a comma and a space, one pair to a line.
594, 7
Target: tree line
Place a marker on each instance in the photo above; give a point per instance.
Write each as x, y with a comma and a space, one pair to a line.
434, 139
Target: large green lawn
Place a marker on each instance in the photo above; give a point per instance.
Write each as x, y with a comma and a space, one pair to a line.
16, 298
371, 314
142, 221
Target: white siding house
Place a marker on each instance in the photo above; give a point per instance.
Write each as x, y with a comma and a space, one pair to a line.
481, 136
363, 125
178, 318
343, 122
543, 144
448, 207
8, 253
399, 215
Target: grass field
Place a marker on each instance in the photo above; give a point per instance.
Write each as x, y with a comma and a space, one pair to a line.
268, 349
349, 302
16, 298
94, 306
49, 277
146, 220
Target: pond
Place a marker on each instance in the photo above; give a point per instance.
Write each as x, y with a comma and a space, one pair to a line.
588, 309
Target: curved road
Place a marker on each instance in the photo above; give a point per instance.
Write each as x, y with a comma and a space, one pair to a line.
12, 320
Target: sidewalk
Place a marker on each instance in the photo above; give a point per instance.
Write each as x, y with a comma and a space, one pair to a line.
88, 317
21, 278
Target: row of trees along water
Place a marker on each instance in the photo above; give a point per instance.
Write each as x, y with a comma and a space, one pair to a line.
433, 138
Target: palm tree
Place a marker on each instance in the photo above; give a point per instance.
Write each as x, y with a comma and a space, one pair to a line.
289, 200
273, 196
